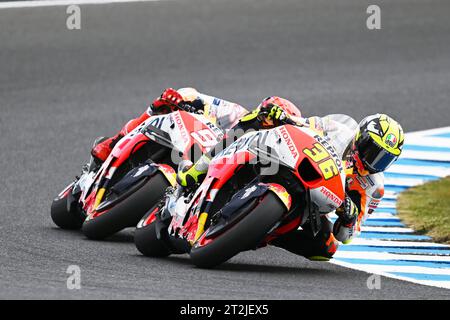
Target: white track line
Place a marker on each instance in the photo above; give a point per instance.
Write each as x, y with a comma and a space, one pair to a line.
390, 195
425, 155
373, 216
50, 3
390, 256
377, 269
427, 141
428, 132
387, 229
431, 171
385, 205
405, 244
382, 215
404, 182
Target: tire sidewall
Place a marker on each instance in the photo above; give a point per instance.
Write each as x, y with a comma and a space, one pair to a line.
129, 211
244, 235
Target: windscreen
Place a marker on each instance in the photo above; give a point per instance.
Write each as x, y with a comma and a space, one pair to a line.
340, 130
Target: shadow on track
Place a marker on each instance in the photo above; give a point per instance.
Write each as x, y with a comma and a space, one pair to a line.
121, 237
183, 260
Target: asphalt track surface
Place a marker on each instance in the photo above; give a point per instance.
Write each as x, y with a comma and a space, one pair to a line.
59, 89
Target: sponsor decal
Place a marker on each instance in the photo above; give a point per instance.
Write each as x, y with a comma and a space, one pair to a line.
141, 170
330, 195
373, 204
363, 182
391, 140
330, 150
181, 127
248, 192
370, 181
287, 139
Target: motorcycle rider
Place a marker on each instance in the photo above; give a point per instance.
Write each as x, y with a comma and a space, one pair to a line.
272, 112
375, 146
219, 111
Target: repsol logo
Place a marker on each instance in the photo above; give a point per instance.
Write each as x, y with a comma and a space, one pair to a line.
330, 150
287, 139
330, 195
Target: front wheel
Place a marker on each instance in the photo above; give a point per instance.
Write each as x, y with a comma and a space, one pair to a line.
244, 235
146, 240
128, 212
62, 216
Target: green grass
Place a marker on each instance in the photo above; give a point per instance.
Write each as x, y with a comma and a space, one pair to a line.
426, 209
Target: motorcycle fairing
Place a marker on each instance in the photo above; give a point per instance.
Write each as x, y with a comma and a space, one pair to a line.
175, 126
243, 202
291, 146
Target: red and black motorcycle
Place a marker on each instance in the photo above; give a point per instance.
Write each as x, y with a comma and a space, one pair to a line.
265, 184
115, 195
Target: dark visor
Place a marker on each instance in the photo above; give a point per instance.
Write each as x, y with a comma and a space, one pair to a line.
374, 158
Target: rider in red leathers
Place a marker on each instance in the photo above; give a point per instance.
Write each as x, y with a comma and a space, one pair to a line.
376, 145
272, 112
221, 112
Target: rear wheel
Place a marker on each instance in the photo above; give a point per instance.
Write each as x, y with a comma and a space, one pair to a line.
64, 218
129, 211
244, 235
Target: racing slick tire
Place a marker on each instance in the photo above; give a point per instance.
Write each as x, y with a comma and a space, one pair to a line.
148, 243
64, 218
128, 212
244, 235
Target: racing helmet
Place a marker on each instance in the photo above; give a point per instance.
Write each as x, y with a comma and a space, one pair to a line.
286, 105
378, 143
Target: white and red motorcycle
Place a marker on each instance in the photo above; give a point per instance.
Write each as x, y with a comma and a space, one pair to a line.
265, 184
108, 198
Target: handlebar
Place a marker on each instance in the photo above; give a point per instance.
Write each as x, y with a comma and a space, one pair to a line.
289, 121
188, 108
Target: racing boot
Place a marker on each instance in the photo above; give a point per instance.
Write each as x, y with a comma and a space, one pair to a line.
189, 175
102, 150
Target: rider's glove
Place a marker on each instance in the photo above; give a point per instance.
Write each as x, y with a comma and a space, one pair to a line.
170, 97
345, 226
277, 113
272, 112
